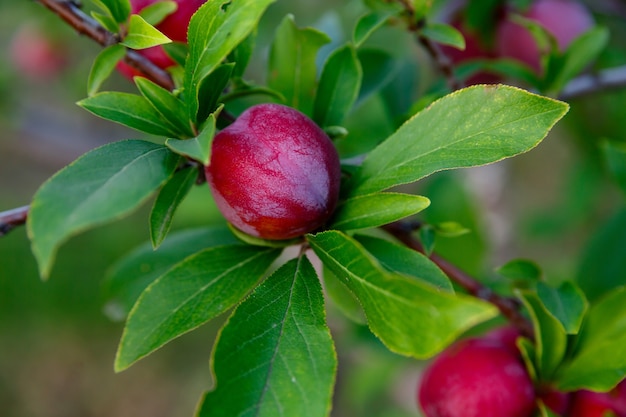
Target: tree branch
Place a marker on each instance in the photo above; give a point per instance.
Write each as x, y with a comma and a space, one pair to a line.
588, 84
12, 218
85, 25
509, 307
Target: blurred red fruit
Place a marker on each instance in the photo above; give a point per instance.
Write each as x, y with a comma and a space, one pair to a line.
34, 55
564, 19
477, 378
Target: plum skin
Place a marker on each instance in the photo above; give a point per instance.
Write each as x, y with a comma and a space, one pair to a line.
477, 378
274, 174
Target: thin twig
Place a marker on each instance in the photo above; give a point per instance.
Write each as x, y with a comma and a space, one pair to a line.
509, 307
12, 218
85, 25
587, 84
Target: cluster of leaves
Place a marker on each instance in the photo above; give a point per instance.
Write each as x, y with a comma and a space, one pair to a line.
557, 67
577, 344
275, 353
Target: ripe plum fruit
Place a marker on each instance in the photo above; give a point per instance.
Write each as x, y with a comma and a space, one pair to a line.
274, 173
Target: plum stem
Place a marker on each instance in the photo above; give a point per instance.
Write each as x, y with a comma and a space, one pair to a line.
508, 306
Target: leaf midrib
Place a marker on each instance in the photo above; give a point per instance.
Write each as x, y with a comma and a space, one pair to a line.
186, 301
75, 213
390, 164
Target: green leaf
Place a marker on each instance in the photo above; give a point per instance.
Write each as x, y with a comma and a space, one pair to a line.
428, 236
375, 210
482, 16
510, 68
547, 44
599, 360
257, 241
154, 13
400, 259
102, 185
275, 356
410, 317
128, 277
368, 24
603, 261
245, 91
567, 304
474, 126
528, 353
615, 154
421, 7
129, 110
242, 53
178, 52
198, 148
450, 229
336, 132
343, 298
211, 88
106, 21
292, 70
581, 53
379, 68
339, 87
444, 34
170, 108
119, 9
193, 292
383, 5
214, 31
550, 336
103, 66
520, 269
142, 35
166, 203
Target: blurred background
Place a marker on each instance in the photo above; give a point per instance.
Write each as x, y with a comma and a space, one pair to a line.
557, 205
